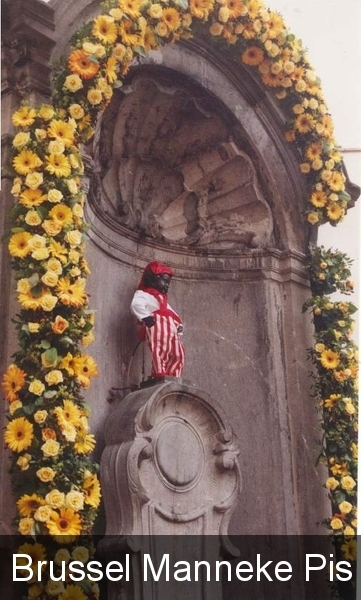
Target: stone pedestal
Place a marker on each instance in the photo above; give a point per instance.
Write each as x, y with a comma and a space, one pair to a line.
169, 468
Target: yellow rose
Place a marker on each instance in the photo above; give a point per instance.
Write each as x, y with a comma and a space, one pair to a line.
317, 164
36, 387
54, 588
26, 526
55, 196
50, 449
55, 266
73, 237
331, 483
34, 180
216, 28
14, 406
62, 555
72, 186
40, 416
23, 462
320, 347
43, 513
313, 218
40, 134
349, 408
223, 14
32, 218
55, 499
348, 483
161, 29
23, 286
46, 474
46, 112
50, 278
94, 96
16, 189
300, 86
47, 302
46, 362
69, 432
74, 500
119, 51
59, 325
21, 139
348, 531
73, 83
40, 254
155, 11
305, 168
81, 554
76, 111
52, 228
33, 327
37, 242
56, 147
88, 339
54, 377
345, 507
336, 523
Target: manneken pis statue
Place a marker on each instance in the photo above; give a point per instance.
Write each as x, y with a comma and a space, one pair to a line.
160, 326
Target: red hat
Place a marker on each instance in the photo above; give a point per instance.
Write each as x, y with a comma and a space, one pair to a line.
156, 268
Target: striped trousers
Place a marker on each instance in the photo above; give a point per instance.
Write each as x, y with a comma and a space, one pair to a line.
166, 347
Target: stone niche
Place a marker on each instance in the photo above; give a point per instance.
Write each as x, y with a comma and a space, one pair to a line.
189, 166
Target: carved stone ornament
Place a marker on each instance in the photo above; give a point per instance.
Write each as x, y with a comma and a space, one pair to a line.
168, 168
170, 464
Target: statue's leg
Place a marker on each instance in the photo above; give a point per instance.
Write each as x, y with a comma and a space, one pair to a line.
175, 362
159, 339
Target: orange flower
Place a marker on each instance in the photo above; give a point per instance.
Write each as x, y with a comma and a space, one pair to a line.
252, 56
13, 381
80, 63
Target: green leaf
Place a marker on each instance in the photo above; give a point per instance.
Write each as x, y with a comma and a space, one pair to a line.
117, 84
51, 355
45, 344
140, 50
17, 229
33, 280
183, 4
50, 394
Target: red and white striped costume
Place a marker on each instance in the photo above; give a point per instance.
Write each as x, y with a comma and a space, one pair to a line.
163, 338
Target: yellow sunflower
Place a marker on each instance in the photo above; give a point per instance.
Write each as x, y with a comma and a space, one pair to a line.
236, 8
81, 64
128, 36
304, 123
200, 8
57, 250
84, 443
253, 8
27, 300
149, 40
61, 214
30, 198
72, 294
92, 493
66, 522
36, 552
18, 244
130, 7
104, 29
336, 181
13, 381
27, 505
62, 131
349, 549
69, 413
335, 211
171, 18
319, 199
85, 365
58, 165
272, 79
24, 117
26, 162
314, 151
329, 359
72, 592
19, 434
327, 123
111, 69
275, 25
252, 56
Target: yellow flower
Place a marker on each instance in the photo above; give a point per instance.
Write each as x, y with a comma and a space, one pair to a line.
345, 507
24, 462
304, 123
61, 214
331, 401
55, 196
319, 199
130, 7
40, 134
27, 505
72, 294
104, 29
54, 377
24, 117
36, 387
253, 56
50, 448
62, 555
21, 139
348, 530
34, 180
200, 8
59, 325
26, 526
80, 63
94, 96
74, 500
19, 434
18, 244
48, 302
40, 416
32, 218
76, 111
30, 198
92, 491
349, 550
171, 18
56, 147
46, 112
16, 189
66, 522
26, 161
70, 413
155, 11
52, 228
312, 218
73, 83
13, 381
319, 347
84, 443
119, 51
80, 553
348, 483
42, 514
55, 498
61, 131
335, 211
336, 523
330, 359
33, 327
54, 588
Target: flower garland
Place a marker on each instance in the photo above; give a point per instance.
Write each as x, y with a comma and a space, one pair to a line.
58, 490
335, 358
